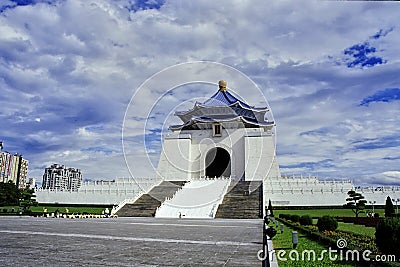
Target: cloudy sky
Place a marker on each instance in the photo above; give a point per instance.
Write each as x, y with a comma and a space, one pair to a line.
329, 70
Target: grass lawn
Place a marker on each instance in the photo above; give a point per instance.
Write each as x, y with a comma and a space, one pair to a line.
73, 209
76, 210
355, 228
283, 242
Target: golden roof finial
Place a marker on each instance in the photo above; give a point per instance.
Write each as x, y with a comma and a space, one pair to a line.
222, 85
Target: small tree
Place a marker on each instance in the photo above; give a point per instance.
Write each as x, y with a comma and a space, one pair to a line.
270, 208
9, 194
27, 198
327, 223
356, 202
389, 208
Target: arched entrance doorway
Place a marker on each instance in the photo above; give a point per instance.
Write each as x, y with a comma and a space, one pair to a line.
218, 163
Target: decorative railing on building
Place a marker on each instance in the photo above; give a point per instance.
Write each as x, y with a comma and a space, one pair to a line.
99, 192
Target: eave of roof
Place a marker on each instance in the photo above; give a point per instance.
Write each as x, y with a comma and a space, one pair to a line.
198, 105
210, 120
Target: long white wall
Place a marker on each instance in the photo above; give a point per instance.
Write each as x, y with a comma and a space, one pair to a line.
99, 193
379, 194
312, 192
282, 192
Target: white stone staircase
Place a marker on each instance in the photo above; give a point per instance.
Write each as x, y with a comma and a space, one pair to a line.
196, 199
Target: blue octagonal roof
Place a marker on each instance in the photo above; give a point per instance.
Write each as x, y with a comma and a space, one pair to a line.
223, 98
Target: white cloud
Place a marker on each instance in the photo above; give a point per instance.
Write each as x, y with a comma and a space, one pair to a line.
384, 178
74, 65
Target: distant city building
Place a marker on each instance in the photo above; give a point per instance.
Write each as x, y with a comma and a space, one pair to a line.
13, 168
59, 177
31, 183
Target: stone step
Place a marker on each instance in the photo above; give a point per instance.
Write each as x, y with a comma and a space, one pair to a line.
147, 204
238, 203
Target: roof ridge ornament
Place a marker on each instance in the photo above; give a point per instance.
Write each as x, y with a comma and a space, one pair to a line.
222, 85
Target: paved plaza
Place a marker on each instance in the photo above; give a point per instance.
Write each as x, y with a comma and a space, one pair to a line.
29, 241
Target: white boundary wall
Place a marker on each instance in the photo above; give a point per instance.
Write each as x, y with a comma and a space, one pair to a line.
312, 192
99, 192
282, 192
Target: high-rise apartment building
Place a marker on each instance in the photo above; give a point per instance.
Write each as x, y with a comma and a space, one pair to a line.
13, 168
59, 177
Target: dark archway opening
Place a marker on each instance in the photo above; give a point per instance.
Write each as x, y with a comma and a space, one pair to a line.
218, 163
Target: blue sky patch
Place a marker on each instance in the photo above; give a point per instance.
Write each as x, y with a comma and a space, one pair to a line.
382, 33
391, 158
339, 129
145, 4
362, 55
375, 143
153, 139
14, 3
317, 132
104, 150
311, 166
386, 95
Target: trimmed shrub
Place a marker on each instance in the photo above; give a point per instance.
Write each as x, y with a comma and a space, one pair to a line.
387, 236
327, 223
284, 216
295, 218
389, 208
306, 220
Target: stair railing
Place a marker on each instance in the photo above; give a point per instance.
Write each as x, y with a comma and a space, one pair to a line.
220, 199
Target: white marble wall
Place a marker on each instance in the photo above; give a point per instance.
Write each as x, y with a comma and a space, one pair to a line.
311, 192
99, 193
252, 154
261, 162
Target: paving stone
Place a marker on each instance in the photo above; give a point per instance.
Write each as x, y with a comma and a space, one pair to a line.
28, 241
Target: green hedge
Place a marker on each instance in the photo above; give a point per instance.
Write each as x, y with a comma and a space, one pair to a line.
388, 236
306, 220
295, 218
284, 216
303, 220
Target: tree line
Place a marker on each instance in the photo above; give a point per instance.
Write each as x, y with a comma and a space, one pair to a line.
10, 195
